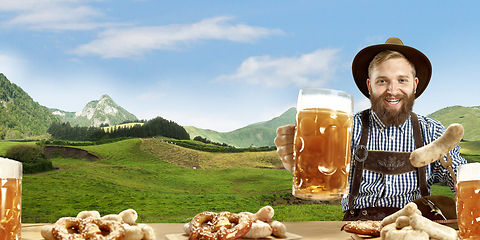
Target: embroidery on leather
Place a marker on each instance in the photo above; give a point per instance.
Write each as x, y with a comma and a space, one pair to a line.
391, 163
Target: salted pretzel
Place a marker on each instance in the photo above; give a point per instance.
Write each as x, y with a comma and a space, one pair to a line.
100, 229
371, 228
89, 225
70, 228
67, 228
216, 226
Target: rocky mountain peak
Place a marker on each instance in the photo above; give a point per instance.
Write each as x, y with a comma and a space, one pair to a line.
97, 112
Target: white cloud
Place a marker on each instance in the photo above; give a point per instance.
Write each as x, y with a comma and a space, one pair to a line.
53, 15
313, 69
135, 41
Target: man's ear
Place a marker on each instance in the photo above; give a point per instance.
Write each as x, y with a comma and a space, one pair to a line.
368, 86
416, 84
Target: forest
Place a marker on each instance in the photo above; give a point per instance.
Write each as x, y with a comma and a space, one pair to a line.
155, 127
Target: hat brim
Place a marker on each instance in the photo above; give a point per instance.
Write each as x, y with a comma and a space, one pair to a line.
362, 60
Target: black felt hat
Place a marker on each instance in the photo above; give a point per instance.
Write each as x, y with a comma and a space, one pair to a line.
360, 64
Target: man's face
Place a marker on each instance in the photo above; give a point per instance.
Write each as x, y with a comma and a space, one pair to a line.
392, 90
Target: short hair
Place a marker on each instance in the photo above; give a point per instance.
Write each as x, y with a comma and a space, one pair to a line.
386, 55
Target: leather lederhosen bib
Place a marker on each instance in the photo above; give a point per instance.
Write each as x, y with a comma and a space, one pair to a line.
386, 162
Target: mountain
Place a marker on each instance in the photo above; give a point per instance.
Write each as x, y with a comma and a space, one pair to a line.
20, 116
469, 117
104, 111
257, 134
287, 117
263, 133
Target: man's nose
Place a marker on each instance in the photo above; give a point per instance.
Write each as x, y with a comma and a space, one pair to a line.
392, 87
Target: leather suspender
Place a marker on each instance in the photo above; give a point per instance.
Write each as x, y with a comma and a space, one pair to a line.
422, 180
359, 160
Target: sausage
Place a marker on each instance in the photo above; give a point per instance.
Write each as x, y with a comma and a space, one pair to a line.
433, 229
439, 147
409, 209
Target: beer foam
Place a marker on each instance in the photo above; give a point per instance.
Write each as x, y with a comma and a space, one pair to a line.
468, 172
10, 168
331, 99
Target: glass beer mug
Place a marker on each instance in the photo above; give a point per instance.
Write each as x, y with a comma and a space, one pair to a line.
322, 144
10, 199
468, 201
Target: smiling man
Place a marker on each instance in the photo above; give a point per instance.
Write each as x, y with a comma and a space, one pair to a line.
382, 179
391, 85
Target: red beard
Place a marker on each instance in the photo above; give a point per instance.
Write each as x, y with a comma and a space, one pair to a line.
391, 117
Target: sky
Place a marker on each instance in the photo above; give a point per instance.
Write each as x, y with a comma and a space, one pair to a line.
222, 65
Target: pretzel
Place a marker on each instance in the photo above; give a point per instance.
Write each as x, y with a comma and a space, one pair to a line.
224, 225
371, 228
67, 228
100, 229
439, 147
88, 225
70, 228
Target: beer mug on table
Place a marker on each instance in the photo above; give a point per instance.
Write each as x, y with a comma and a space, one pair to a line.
468, 201
10, 199
322, 144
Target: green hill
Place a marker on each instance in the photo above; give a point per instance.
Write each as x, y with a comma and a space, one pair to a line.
257, 134
20, 116
469, 117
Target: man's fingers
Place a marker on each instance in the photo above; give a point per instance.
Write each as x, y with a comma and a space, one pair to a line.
282, 151
286, 130
287, 166
282, 140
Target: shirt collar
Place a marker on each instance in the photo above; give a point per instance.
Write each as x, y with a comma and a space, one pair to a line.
381, 126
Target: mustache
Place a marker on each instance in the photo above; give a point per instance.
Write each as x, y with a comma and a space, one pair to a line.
397, 96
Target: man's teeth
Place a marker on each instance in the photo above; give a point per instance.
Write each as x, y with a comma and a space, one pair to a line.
393, 101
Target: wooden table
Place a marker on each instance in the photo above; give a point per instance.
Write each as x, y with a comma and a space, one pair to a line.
307, 230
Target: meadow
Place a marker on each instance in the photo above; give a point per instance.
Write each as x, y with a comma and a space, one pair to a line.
167, 183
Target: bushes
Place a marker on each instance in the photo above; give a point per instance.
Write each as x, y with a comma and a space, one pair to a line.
32, 157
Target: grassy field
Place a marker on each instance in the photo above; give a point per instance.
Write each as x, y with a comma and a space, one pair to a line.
470, 151
135, 174
129, 177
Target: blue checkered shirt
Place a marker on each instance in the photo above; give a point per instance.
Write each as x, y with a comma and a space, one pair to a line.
381, 190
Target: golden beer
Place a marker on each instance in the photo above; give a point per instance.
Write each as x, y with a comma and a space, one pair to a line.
468, 209
10, 199
10, 195
322, 152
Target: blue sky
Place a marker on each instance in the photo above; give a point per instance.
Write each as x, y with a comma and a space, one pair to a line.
222, 65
